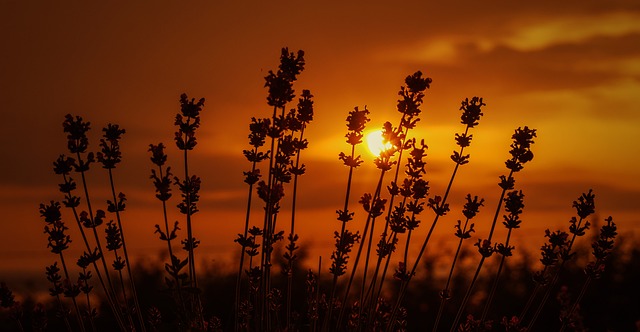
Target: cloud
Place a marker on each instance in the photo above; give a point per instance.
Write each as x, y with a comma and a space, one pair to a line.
574, 30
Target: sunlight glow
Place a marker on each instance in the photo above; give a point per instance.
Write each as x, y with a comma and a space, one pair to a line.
376, 143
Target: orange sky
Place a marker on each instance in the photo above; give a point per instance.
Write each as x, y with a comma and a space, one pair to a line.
571, 69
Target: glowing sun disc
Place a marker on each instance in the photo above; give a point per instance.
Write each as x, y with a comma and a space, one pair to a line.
376, 143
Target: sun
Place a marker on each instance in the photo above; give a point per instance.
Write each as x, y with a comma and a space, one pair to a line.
376, 143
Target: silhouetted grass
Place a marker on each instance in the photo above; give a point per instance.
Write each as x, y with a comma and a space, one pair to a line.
271, 291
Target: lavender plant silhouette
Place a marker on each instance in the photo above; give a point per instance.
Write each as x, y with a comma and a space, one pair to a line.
305, 299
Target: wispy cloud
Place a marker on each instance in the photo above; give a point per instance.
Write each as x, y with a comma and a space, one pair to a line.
573, 29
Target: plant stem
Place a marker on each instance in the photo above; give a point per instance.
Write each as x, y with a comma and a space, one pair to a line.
89, 310
241, 265
444, 296
109, 292
73, 298
357, 259
63, 312
315, 322
170, 248
334, 282
191, 243
575, 305
95, 232
126, 257
266, 233
527, 306
475, 277
555, 279
494, 287
390, 210
292, 234
404, 284
115, 311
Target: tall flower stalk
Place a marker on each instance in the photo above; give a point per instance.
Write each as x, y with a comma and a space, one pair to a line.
409, 103
54, 277
403, 218
83, 282
284, 146
187, 121
110, 156
280, 93
297, 122
513, 204
162, 182
551, 255
409, 106
345, 239
58, 242
114, 243
463, 232
63, 166
471, 114
602, 248
257, 136
520, 154
78, 143
585, 206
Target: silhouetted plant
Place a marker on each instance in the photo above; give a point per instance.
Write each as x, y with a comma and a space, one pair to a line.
110, 156
520, 154
7, 300
463, 232
83, 283
408, 105
286, 133
513, 204
346, 239
188, 121
261, 301
58, 242
547, 278
602, 248
53, 276
162, 183
78, 143
471, 113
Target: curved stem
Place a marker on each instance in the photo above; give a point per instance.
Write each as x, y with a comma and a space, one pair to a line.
109, 292
95, 232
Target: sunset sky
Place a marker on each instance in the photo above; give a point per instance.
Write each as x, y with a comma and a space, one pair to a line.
570, 69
